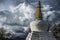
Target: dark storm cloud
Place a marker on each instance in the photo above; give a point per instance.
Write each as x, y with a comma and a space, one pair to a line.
14, 24
31, 1
57, 18
5, 13
2, 13
10, 19
1, 1
15, 21
54, 3
16, 2
19, 13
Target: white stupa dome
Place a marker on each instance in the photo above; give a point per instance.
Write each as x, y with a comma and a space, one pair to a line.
39, 25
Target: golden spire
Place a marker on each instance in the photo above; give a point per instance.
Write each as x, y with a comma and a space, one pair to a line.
38, 12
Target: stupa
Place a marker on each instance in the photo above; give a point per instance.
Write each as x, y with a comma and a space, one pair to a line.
39, 28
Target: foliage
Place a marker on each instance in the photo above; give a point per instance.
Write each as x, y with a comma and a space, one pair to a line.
56, 31
2, 34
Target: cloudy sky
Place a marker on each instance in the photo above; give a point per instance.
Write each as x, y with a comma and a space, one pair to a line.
16, 15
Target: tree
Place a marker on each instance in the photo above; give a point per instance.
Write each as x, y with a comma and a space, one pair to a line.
2, 34
56, 31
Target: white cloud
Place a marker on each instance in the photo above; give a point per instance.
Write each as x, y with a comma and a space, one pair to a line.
46, 7
23, 12
16, 16
22, 15
48, 13
2, 19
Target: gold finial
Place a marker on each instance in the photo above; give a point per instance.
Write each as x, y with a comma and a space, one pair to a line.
38, 11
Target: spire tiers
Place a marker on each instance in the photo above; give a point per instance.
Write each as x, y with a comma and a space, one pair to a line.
38, 11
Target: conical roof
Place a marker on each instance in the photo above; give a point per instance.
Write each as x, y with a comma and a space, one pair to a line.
38, 11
